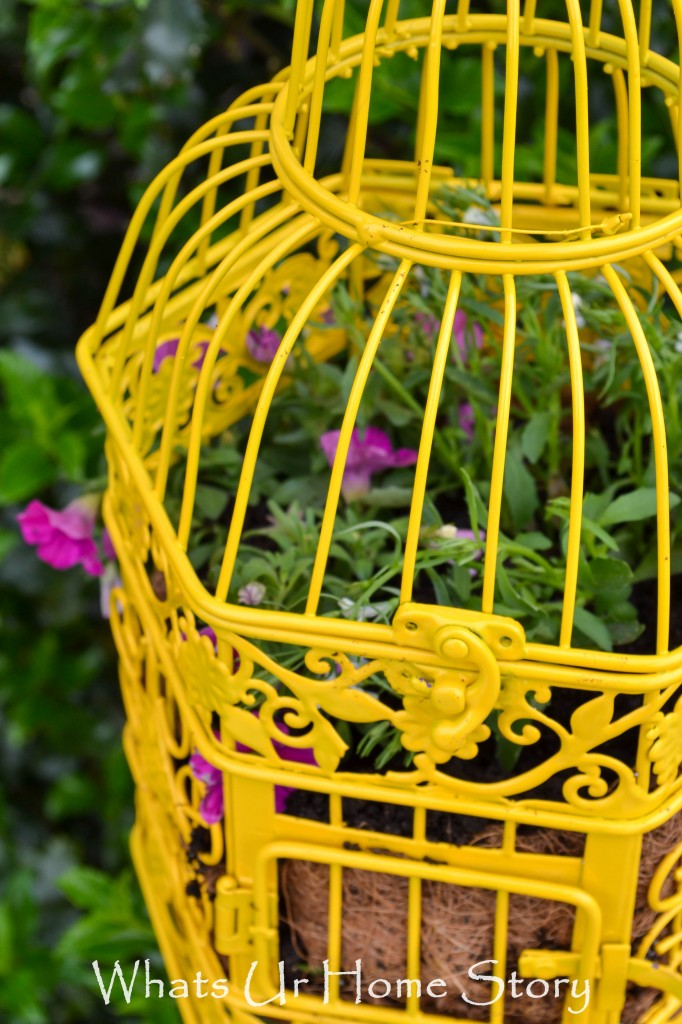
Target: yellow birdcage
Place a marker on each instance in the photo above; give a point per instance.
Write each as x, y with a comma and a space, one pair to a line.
243, 230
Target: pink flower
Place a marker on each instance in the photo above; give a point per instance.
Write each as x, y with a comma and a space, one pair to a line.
466, 419
460, 331
108, 546
429, 324
168, 349
262, 343
210, 633
298, 754
367, 454
65, 538
211, 807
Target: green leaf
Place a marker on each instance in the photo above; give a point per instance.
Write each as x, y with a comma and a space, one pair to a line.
8, 541
625, 632
6, 940
478, 513
610, 574
589, 526
534, 541
534, 436
396, 414
388, 497
24, 470
72, 452
630, 508
87, 888
520, 490
211, 502
593, 629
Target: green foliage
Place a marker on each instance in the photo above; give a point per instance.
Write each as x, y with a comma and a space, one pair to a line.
96, 97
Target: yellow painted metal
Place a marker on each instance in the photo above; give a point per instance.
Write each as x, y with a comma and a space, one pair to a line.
263, 236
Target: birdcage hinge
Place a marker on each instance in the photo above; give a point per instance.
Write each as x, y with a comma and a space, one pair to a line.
235, 929
233, 910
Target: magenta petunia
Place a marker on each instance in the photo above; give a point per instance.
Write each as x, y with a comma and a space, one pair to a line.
262, 343
63, 538
168, 350
460, 332
210, 633
303, 755
428, 324
108, 546
369, 453
211, 807
466, 419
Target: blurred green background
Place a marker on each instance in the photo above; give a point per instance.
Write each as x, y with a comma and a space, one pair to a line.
95, 97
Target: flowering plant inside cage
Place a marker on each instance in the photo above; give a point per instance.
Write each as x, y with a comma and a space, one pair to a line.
394, 482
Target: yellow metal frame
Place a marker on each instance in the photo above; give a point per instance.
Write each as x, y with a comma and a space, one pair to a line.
268, 246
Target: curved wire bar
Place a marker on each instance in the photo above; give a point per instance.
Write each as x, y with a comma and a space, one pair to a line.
361, 121
327, 280
426, 440
307, 230
299, 56
273, 219
634, 111
185, 158
140, 297
582, 115
660, 454
500, 445
511, 95
327, 23
578, 467
347, 426
427, 141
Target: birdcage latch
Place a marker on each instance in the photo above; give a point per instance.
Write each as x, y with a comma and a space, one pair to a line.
430, 626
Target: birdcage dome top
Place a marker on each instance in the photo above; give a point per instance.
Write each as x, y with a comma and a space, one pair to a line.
611, 215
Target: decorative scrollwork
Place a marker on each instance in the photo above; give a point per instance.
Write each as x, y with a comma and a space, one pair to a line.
441, 712
665, 752
445, 710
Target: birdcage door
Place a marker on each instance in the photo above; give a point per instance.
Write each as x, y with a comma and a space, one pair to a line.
410, 982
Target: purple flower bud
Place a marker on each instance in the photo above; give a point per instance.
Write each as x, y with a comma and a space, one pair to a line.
262, 343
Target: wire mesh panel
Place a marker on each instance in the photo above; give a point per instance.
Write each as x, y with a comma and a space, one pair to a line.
491, 320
